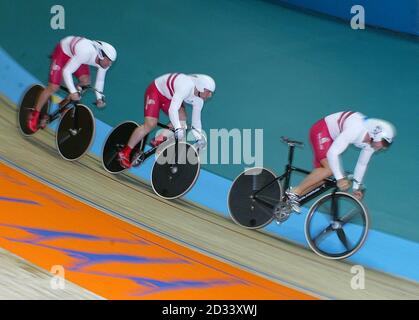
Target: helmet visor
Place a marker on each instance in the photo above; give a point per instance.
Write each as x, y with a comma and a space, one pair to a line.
386, 143
103, 54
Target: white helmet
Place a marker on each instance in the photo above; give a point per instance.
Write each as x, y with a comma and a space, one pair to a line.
203, 82
106, 49
380, 130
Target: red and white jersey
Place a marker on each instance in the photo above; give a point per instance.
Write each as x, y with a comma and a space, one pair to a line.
348, 128
81, 51
179, 88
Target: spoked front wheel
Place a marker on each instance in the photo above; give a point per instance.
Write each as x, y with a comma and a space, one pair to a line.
337, 226
27, 105
175, 171
249, 210
75, 132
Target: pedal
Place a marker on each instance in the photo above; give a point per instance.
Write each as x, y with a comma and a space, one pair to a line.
282, 217
44, 122
64, 110
138, 158
155, 142
282, 212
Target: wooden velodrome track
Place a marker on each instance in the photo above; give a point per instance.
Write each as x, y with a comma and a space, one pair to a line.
190, 225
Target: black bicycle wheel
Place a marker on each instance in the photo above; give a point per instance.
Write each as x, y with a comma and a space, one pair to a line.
115, 142
75, 132
247, 211
337, 226
171, 179
27, 105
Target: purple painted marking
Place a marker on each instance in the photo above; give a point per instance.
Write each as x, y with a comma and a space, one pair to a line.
19, 201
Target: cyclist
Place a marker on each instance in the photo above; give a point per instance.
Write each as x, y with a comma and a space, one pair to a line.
330, 137
169, 93
74, 55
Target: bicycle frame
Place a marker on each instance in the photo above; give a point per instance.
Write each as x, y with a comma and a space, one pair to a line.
66, 102
328, 183
61, 106
153, 150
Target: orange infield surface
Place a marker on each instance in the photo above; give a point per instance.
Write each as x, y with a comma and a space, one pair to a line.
113, 258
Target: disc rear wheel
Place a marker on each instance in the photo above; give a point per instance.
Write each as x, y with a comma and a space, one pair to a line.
27, 105
173, 176
249, 207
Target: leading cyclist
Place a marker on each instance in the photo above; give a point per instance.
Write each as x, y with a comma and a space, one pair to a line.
330, 137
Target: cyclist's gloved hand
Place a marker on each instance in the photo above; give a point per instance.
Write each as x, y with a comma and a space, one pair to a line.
74, 96
196, 133
343, 184
201, 143
100, 103
179, 134
200, 140
358, 193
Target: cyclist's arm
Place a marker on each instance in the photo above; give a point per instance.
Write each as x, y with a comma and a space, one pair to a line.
100, 82
196, 116
81, 57
338, 146
361, 166
68, 71
179, 96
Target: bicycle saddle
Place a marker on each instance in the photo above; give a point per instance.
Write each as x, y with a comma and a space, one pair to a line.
292, 142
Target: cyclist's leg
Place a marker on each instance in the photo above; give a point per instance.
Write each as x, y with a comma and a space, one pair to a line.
59, 60
152, 105
83, 74
183, 117
321, 141
139, 133
182, 113
314, 179
33, 120
45, 95
164, 134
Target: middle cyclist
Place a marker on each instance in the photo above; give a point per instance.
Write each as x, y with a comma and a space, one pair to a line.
169, 93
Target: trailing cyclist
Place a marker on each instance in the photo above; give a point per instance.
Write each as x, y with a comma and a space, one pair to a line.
74, 55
